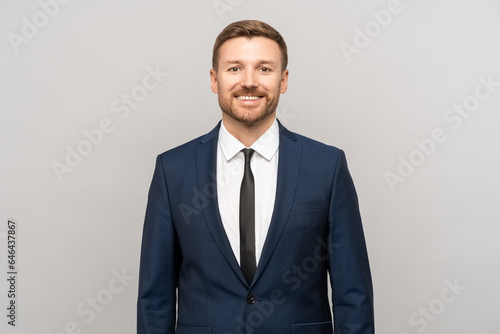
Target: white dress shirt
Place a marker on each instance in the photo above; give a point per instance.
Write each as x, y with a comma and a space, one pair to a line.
264, 164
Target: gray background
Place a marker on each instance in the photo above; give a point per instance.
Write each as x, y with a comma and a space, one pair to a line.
437, 228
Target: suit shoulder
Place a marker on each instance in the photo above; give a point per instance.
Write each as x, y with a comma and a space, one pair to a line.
185, 152
181, 151
317, 147
179, 160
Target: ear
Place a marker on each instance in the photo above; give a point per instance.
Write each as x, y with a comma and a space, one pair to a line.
213, 80
284, 81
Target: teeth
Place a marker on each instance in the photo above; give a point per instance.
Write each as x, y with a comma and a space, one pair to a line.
248, 97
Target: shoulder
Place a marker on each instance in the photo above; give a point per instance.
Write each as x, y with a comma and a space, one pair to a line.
313, 148
181, 151
186, 153
188, 149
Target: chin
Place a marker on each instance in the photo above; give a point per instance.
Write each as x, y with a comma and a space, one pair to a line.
249, 118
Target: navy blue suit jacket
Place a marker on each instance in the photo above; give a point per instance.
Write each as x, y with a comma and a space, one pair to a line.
187, 261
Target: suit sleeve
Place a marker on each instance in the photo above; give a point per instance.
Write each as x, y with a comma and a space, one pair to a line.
350, 278
160, 258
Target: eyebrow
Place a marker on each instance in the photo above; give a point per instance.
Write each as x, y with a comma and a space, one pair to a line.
261, 61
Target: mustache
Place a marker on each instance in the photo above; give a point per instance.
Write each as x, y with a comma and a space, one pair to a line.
251, 92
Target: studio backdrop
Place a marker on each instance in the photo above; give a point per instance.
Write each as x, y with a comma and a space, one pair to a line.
92, 91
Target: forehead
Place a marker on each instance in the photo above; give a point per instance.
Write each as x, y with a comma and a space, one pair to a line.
249, 49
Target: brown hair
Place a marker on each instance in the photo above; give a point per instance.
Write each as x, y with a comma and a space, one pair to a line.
249, 28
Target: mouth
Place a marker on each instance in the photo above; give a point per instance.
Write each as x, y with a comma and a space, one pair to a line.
248, 97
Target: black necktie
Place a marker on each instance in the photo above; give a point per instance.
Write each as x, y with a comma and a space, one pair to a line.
247, 219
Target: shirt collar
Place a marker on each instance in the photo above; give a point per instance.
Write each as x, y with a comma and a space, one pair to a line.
266, 145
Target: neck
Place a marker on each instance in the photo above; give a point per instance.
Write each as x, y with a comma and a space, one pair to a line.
246, 133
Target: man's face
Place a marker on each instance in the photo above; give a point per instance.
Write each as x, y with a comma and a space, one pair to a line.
249, 79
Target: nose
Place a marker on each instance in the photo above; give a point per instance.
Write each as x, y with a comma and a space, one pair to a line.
249, 80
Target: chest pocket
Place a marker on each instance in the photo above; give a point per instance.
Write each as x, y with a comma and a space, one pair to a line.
309, 205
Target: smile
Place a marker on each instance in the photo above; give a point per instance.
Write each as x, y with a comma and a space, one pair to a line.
247, 98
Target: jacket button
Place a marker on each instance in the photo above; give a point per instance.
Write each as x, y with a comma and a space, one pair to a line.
251, 299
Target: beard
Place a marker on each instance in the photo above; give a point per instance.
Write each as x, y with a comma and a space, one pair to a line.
248, 114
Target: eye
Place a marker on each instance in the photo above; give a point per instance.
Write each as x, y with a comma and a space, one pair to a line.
265, 69
233, 69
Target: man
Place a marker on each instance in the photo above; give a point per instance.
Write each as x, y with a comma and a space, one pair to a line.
244, 224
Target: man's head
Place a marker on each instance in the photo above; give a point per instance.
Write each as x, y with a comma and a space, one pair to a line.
249, 72
249, 29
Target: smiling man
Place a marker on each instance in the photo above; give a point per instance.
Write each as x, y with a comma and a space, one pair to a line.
244, 224
248, 74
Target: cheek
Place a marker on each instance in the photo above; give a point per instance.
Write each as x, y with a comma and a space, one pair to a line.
225, 87
272, 84
229, 80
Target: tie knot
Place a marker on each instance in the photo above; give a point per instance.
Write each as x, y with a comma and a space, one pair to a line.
248, 152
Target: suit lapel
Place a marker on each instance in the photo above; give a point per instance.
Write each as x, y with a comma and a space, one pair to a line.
206, 171
288, 169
